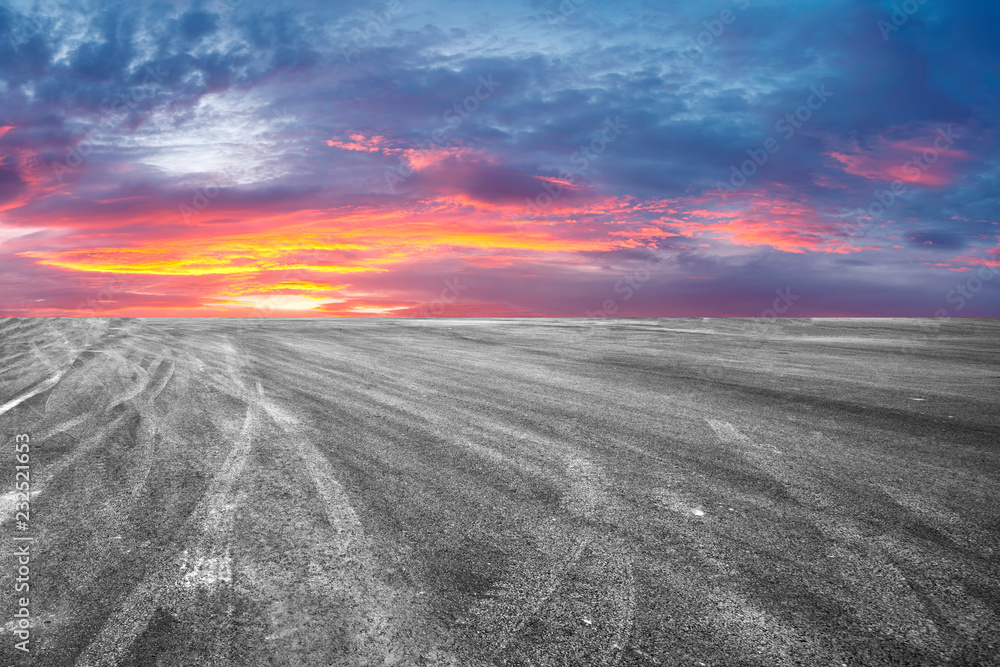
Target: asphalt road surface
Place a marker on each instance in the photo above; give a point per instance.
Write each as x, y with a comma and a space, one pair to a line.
503, 492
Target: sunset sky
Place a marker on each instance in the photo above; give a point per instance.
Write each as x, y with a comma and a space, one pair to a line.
523, 158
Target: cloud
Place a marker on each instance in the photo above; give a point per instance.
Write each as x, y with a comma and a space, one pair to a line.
195, 24
211, 155
944, 239
920, 156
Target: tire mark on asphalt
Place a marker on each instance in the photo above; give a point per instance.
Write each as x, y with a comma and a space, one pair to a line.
586, 498
149, 422
211, 560
56, 469
209, 565
594, 561
589, 497
529, 612
8, 503
31, 351
932, 613
890, 604
139, 382
63, 426
39, 388
44, 345
146, 431
157, 387
86, 377
54, 376
221, 372
729, 435
144, 381
962, 532
515, 603
788, 470
232, 364
627, 604
380, 619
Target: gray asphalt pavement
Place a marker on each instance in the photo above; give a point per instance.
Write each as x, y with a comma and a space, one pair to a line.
504, 492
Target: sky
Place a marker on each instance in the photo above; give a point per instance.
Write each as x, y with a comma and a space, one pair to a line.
558, 158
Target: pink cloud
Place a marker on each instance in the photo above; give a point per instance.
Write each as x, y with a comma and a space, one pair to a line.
358, 142
768, 219
927, 157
